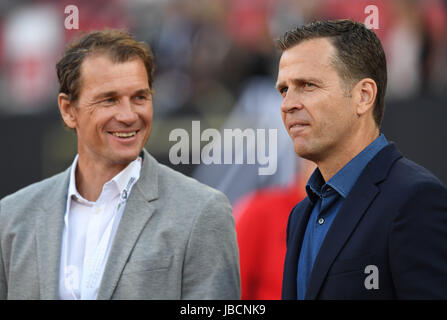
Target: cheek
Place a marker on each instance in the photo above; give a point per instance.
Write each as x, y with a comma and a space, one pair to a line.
337, 121
99, 122
147, 115
283, 116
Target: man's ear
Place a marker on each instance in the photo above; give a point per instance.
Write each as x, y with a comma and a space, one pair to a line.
364, 93
67, 109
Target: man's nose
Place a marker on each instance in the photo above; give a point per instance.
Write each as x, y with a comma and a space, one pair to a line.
126, 112
291, 102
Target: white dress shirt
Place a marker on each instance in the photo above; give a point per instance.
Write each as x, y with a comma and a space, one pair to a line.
89, 231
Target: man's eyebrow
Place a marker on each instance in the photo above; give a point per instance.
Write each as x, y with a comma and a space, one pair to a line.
103, 95
309, 79
282, 84
109, 94
143, 92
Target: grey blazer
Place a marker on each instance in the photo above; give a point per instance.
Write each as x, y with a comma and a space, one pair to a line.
176, 240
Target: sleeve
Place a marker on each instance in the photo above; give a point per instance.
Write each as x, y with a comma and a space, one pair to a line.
418, 245
3, 285
211, 267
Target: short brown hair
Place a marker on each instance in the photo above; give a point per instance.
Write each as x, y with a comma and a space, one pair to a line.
119, 45
358, 49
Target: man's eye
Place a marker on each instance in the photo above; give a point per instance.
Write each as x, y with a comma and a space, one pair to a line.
283, 90
309, 86
141, 99
109, 100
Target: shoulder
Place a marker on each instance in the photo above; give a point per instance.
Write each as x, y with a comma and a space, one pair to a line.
413, 190
410, 177
171, 186
182, 198
184, 187
193, 205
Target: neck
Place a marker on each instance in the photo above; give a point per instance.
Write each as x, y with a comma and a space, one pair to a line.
92, 175
344, 153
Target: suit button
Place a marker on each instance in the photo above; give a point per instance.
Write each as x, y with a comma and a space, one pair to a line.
320, 221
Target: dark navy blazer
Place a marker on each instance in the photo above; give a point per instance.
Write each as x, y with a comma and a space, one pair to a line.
394, 218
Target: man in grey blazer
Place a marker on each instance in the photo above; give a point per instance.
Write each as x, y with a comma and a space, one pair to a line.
116, 224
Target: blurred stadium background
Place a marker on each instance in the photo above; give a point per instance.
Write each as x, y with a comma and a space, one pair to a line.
216, 62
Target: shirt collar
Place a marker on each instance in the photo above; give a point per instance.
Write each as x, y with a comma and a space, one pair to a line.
345, 178
315, 185
121, 181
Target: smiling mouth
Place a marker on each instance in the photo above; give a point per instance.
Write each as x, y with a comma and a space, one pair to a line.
124, 135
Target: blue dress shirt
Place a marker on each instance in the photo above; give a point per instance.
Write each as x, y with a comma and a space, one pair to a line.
327, 199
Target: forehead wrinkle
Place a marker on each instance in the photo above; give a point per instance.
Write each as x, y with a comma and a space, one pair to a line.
303, 63
113, 80
296, 74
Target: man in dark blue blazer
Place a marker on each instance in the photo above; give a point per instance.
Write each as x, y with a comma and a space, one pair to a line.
374, 224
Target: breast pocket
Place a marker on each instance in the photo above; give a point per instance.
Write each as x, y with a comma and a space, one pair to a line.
346, 279
351, 265
149, 278
155, 263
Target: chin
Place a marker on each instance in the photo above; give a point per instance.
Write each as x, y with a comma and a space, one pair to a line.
125, 158
304, 152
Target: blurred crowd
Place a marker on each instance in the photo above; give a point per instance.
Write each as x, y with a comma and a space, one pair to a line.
216, 62
207, 51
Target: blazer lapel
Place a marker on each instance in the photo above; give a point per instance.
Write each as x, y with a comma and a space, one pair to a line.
352, 210
297, 226
49, 228
139, 208
344, 224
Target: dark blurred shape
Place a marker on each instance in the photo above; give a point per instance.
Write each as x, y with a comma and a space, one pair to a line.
22, 159
418, 126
